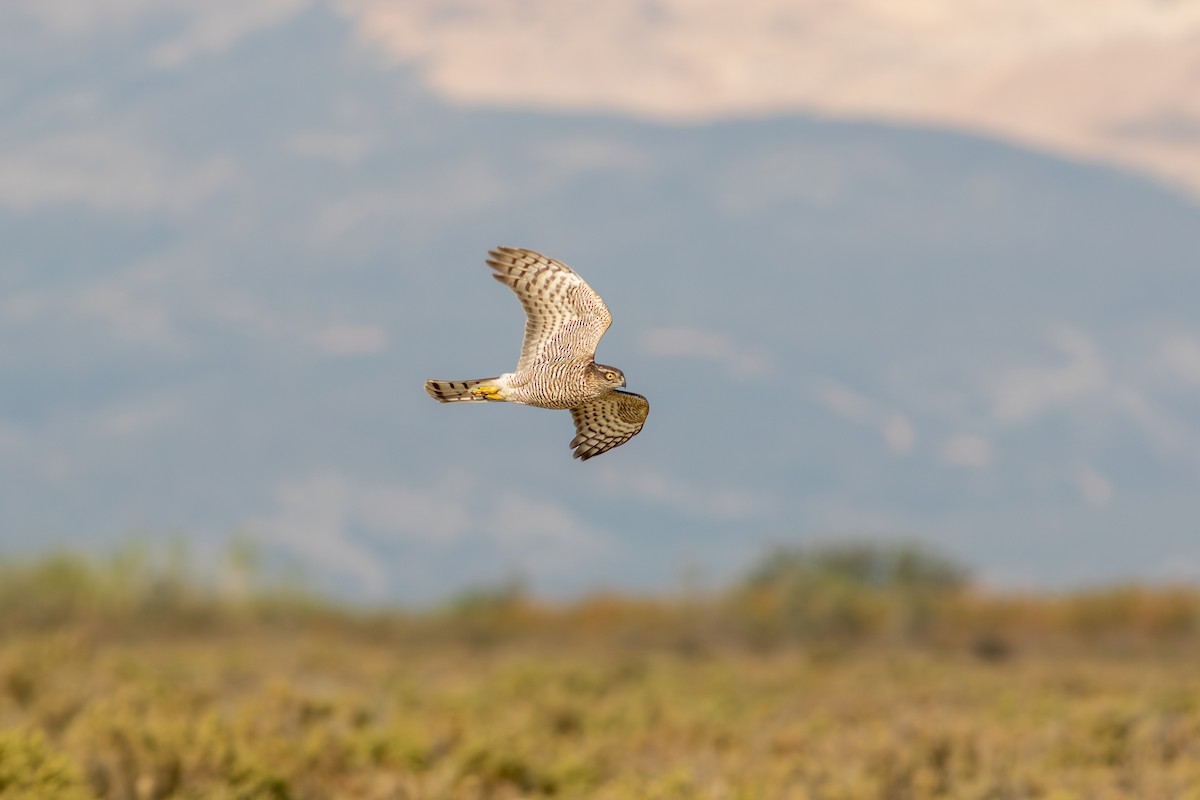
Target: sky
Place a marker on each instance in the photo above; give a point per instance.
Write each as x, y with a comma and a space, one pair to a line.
888, 271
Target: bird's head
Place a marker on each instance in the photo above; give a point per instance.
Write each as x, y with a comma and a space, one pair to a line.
609, 376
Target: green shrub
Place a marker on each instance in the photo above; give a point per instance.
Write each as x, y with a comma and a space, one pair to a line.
847, 591
31, 770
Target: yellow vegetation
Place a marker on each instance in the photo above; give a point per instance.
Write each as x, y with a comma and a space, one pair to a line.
888, 693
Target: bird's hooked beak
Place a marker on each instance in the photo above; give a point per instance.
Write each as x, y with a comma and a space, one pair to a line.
622, 381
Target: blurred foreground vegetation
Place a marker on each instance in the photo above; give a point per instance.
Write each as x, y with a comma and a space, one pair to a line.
838, 671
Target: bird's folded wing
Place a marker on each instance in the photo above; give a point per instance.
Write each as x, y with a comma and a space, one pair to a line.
603, 424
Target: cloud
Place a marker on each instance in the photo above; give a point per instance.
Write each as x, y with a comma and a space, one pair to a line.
1180, 356
1167, 433
739, 362
333, 521
12, 438
722, 502
967, 451
129, 317
896, 428
1022, 393
331, 339
344, 148
899, 433
573, 155
107, 169
180, 30
544, 534
1094, 488
22, 449
467, 185
1086, 383
141, 416
1179, 568
138, 305
435, 515
213, 27
68, 20
344, 340
311, 519
844, 401
970, 66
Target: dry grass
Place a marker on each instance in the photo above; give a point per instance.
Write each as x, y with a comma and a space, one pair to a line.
174, 691
325, 714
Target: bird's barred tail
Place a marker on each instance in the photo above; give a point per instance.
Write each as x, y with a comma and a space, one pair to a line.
457, 391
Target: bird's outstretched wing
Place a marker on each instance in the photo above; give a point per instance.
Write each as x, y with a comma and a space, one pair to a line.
564, 317
606, 423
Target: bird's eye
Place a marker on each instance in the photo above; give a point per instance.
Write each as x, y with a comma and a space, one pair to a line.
610, 376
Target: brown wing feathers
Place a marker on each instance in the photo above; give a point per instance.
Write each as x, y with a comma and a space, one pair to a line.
608, 422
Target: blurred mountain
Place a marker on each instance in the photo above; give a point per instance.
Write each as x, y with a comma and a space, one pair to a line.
227, 272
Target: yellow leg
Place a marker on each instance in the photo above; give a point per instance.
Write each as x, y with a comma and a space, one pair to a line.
487, 392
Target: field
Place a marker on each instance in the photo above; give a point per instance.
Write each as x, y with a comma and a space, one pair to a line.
168, 690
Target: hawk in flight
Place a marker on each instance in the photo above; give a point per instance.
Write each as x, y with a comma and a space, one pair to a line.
564, 321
